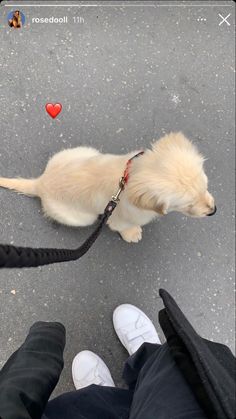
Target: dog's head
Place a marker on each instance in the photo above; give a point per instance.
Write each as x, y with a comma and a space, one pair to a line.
170, 177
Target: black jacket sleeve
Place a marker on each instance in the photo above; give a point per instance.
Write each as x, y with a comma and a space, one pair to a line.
208, 367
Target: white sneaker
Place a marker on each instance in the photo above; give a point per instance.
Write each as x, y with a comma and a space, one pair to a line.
88, 368
133, 327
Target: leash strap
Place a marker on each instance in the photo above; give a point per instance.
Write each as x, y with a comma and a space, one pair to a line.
27, 257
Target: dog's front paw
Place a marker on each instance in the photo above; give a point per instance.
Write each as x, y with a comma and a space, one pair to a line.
132, 235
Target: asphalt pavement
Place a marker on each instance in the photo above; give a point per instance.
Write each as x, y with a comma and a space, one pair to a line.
125, 73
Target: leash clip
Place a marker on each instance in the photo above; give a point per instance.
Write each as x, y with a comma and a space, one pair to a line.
116, 197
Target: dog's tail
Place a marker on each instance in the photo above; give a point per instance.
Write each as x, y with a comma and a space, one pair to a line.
24, 186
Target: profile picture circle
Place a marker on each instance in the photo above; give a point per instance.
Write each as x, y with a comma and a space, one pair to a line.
16, 19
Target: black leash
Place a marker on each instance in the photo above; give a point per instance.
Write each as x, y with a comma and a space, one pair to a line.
27, 257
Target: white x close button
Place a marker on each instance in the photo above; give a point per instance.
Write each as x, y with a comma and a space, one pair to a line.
224, 19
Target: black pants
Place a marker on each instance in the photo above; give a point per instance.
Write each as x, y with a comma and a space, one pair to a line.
156, 388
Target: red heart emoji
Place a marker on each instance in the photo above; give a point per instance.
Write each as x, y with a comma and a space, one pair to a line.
53, 109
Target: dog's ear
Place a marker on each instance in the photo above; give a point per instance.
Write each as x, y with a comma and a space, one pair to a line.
151, 204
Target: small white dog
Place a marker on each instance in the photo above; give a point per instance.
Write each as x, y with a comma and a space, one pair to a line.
78, 183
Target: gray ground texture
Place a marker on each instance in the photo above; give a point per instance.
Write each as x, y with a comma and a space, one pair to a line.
125, 75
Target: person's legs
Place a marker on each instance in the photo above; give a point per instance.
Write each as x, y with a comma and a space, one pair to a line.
100, 401
134, 328
160, 390
156, 386
91, 401
160, 387
31, 373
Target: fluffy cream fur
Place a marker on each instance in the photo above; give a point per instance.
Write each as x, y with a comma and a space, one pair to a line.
77, 184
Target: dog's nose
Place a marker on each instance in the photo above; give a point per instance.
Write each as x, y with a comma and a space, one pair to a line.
213, 212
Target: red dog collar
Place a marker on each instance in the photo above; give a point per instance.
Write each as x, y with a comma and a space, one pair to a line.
124, 178
126, 172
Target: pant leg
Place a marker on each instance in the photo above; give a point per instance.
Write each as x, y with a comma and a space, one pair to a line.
161, 390
136, 362
31, 373
92, 402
